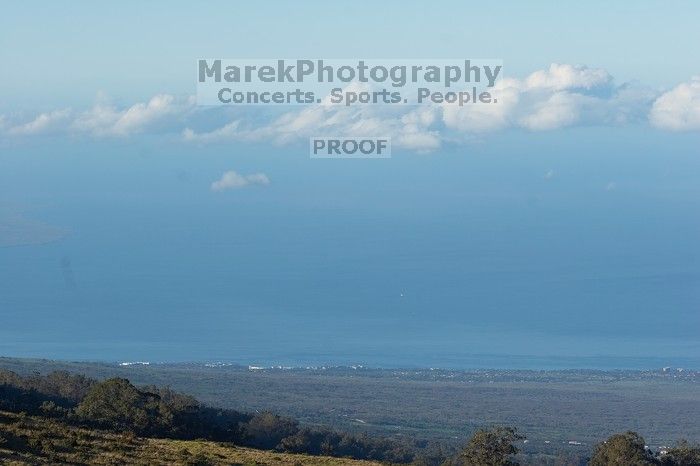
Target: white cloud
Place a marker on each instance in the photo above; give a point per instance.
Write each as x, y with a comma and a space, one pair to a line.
479, 118
44, 123
408, 127
232, 180
558, 110
227, 132
558, 96
106, 120
679, 108
162, 112
562, 76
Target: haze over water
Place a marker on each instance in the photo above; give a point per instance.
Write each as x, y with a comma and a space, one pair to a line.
545, 251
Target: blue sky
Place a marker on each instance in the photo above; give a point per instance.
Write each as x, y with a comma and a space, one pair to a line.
144, 226
60, 54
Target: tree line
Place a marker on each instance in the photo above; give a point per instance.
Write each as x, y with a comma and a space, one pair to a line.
116, 404
150, 411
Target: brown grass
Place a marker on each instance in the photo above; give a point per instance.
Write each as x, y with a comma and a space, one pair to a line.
28, 440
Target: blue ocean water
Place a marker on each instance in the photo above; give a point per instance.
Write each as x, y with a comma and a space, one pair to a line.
538, 252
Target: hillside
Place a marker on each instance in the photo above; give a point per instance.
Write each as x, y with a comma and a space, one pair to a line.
64, 418
445, 405
26, 440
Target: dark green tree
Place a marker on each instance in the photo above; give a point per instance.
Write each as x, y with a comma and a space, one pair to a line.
625, 449
116, 403
683, 454
490, 447
266, 430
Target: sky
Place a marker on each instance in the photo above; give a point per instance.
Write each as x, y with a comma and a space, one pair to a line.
135, 224
62, 54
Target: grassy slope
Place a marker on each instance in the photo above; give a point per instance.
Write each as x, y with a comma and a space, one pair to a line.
50, 442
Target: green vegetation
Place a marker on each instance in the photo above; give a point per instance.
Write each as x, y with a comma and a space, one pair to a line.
628, 449
490, 447
622, 450
118, 406
683, 454
35, 440
65, 418
446, 406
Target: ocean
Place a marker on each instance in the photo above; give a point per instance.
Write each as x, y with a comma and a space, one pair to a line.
559, 254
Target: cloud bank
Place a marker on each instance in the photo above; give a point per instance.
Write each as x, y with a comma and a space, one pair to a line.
160, 114
559, 96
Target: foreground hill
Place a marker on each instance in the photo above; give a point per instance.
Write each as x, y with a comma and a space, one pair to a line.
26, 440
